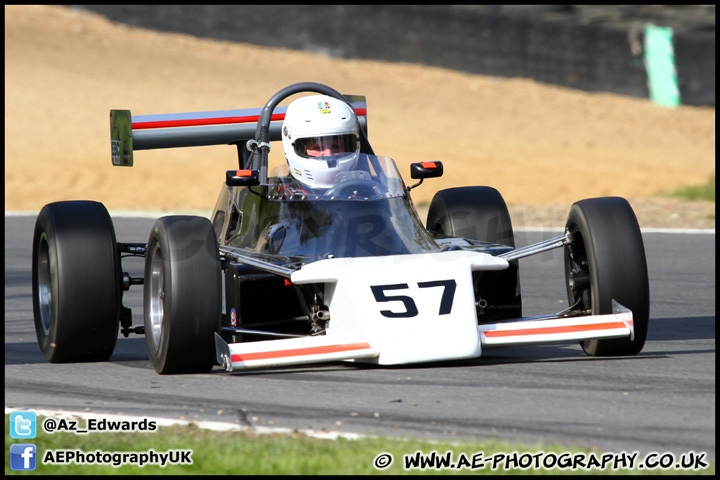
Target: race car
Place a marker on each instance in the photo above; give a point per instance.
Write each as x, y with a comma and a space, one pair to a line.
280, 276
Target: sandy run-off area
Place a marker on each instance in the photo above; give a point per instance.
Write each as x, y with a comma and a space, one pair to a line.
542, 147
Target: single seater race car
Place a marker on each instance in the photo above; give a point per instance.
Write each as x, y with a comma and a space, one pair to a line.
279, 276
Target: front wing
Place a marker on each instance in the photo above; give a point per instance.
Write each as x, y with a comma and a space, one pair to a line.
410, 309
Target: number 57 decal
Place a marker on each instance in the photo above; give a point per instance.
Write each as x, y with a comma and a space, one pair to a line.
446, 302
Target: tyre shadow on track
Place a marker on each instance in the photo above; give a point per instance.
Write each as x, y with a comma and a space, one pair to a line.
682, 328
28, 353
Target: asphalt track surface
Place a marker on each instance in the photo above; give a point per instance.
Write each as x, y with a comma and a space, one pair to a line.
662, 400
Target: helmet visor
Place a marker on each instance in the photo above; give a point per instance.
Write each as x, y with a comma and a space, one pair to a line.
329, 145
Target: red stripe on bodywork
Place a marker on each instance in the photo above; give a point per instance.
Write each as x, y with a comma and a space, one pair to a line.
195, 122
296, 352
549, 330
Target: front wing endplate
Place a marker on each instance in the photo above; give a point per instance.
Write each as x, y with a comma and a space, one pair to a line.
292, 351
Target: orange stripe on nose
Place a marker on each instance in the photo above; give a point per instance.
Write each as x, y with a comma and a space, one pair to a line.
296, 352
551, 330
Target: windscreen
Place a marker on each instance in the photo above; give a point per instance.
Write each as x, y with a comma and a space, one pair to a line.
365, 213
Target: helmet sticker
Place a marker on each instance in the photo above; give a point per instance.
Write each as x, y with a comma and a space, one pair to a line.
324, 107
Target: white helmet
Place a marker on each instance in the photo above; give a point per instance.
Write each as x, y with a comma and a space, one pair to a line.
320, 138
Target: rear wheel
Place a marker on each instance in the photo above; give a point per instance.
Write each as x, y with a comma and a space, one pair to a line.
182, 295
480, 213
76, 282
477, 213
606, 261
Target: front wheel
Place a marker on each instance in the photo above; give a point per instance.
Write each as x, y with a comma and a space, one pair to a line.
76, 282
605, 261
182, 295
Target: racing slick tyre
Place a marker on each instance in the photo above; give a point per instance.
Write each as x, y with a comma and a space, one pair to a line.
480, 213
182, 295
477, 213
604, 261
76, 282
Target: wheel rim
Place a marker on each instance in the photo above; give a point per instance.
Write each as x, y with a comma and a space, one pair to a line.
44, 283
578, 274
157, 295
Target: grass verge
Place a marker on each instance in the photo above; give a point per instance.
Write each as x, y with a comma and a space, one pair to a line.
704, 192
242, 453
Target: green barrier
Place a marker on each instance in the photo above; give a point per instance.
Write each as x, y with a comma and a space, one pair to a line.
660, 66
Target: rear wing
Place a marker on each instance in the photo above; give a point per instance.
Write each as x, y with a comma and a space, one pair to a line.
129, 133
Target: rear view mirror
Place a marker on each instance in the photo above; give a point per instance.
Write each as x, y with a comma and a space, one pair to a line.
242, 178
423, 170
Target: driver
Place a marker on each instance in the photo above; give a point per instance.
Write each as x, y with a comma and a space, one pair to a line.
320, 136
